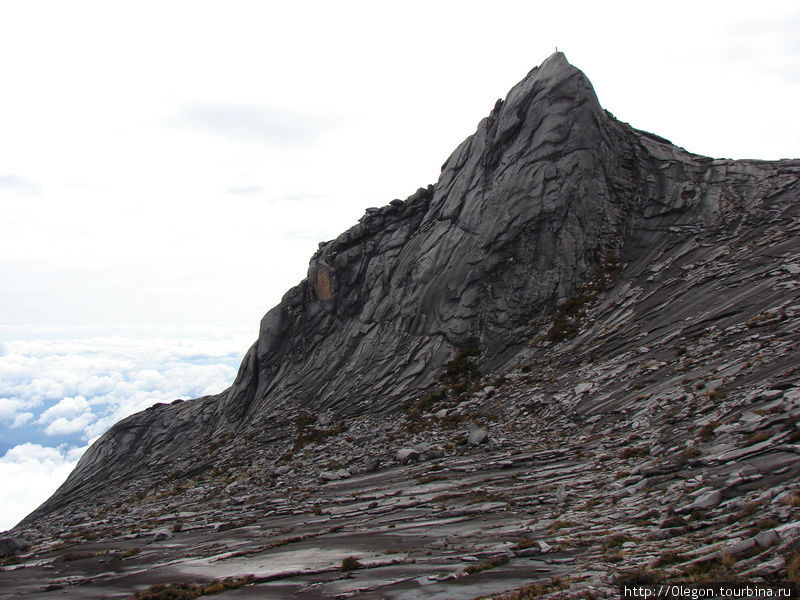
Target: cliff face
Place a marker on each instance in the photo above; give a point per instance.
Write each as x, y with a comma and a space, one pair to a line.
549, 190
522, 210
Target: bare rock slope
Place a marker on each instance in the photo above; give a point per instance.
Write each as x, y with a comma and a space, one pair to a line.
575, 354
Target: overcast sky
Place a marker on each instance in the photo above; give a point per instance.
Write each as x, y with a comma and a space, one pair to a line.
169, 167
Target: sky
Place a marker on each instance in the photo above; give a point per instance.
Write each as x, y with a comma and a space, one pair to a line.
167, 169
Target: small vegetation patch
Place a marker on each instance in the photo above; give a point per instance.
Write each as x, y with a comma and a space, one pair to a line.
757, 437
460, 376
633, 452
461, 372
719, 568
526, 542
639, 577
673, 522
688, 454
478, 496
669, 557
699, 514
428, 401
487, 564
474, 497
73, 556
768, 317
615, 557
556, 525
793, 567
569, 315
567, 319
306, 433
350, 564
429, 479
748, 510
706, 432
646, 518
616, 541
537, 590
794, 433
189, 591
236, 524
793, 501
763, 525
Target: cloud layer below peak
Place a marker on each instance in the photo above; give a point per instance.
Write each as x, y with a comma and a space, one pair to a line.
58, 395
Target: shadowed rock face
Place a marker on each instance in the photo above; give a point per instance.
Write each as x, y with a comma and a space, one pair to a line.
548, 190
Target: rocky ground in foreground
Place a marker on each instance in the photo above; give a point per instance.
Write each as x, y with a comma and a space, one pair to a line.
649, 428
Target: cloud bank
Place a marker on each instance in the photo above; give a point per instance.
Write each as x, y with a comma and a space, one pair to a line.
59, 395
32, 472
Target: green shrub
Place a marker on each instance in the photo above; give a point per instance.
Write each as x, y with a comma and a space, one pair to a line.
616, 541
670, 557
350, 564
793, 568
189, 591
636, 577
487, 564
526, 542
556, 525
633, 451
707, 431
673, 522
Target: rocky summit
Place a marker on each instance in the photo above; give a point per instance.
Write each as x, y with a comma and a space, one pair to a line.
573, 361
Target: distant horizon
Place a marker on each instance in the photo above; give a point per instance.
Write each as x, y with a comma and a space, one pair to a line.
167, 172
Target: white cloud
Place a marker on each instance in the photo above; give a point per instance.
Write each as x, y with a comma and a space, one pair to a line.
62, 426
19, 184
66, 407
10, 408
31, 473
86, 384
241, 122
82, 385
22, 419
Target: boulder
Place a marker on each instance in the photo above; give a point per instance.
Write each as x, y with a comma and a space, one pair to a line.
334, 475
434, 453
329, 476
766, 538
281, 470
477, 435
11, 545
407, 455
708, 500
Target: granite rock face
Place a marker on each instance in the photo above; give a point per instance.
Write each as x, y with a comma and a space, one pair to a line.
550, 195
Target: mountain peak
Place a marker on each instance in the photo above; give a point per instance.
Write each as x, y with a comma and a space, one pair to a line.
556, 60
574, 311
538, 210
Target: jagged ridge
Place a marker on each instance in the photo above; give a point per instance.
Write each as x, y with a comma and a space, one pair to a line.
523, 212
